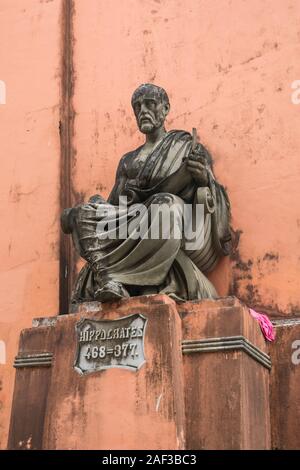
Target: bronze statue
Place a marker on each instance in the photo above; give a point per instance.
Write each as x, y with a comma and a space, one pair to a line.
170, 170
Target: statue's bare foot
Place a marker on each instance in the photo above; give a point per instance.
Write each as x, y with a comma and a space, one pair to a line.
111, 291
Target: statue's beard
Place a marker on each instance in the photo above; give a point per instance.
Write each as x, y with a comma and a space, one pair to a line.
149, 125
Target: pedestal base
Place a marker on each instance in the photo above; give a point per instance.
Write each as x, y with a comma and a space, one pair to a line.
226, 369
84, 385
284, 385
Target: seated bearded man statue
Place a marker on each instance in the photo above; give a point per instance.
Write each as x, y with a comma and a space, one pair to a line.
124, 241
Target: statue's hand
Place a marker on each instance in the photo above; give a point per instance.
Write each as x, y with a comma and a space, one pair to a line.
196, 165
97, 199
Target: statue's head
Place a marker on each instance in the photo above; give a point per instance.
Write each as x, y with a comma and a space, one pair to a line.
150, 105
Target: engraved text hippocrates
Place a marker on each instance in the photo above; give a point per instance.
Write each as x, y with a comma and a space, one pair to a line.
103, 344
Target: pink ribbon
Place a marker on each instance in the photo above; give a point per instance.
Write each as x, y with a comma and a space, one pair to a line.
265, 324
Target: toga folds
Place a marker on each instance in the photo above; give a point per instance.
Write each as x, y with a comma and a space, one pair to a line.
142, 264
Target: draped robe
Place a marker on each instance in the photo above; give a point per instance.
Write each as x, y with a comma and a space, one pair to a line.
146, 266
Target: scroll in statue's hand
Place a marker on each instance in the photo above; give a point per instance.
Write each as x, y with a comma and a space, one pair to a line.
197, 166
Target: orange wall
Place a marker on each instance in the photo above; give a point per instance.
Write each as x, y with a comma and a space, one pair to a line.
29, 190
227, 65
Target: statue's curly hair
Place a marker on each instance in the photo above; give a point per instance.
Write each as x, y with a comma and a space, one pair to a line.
157, 91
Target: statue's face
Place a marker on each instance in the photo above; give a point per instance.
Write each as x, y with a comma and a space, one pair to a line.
150, 112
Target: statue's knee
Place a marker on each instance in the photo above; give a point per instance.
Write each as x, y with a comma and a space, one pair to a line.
71, 216
66, 221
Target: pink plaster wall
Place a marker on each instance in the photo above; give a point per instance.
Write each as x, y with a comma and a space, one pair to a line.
29, 190
227, 65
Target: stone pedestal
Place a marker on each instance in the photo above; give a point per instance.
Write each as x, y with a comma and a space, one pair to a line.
54, 407
285, 385
203, 385
226, 369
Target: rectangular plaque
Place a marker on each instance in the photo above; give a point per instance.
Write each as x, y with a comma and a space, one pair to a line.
103, 344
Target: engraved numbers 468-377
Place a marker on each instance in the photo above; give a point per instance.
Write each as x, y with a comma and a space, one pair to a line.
118, 350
